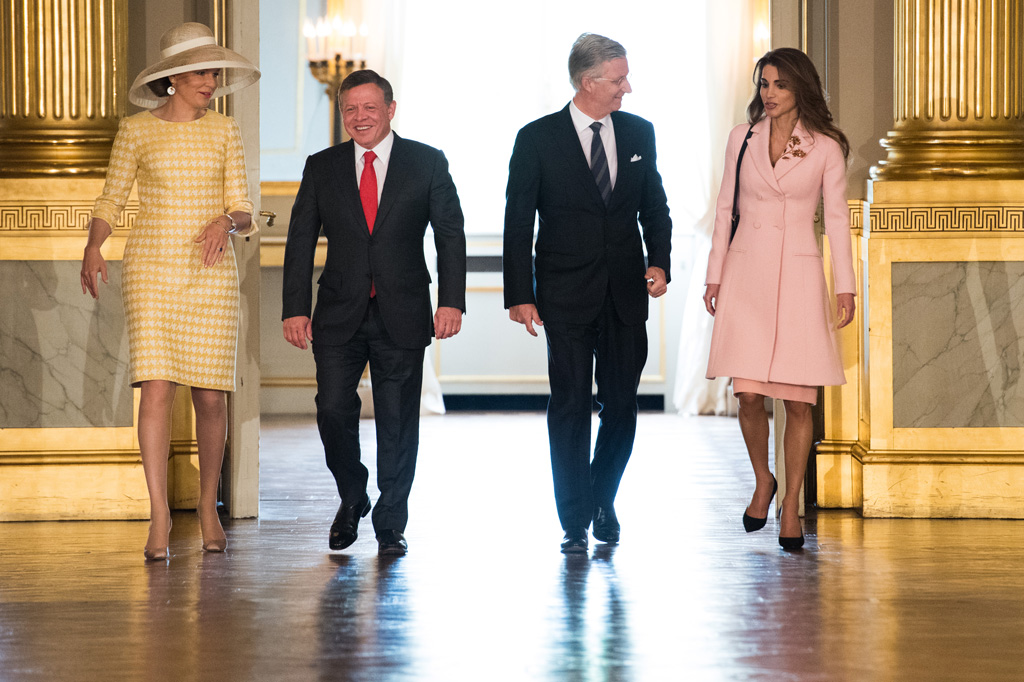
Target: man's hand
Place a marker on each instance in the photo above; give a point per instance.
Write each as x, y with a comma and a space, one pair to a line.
297, 330
447, 322
657, 283
845, 308
525, 314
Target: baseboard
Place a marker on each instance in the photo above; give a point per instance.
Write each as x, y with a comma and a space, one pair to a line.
482, 402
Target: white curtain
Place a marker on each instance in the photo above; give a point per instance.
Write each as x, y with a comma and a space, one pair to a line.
729, 72
468, 74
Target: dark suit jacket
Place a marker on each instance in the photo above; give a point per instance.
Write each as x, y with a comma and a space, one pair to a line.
417, 189
584, 250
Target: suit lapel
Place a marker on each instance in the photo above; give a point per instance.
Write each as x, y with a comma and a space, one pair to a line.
393, 181
759, 154
344, 165
800, 145
568, 141
625, 148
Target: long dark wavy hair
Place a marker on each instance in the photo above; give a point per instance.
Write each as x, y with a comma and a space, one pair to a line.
797, 68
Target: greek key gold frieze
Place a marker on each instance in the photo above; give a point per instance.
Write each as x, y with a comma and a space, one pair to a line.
56, 217
946, 219
856, 214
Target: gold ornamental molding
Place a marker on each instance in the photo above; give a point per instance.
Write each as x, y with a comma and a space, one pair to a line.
949, 220
866, 455
45, 218
856, 215
71, 216
63, 85
73, 457
958, 91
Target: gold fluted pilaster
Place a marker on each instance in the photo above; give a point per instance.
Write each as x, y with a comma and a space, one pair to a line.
958, 91
63, 84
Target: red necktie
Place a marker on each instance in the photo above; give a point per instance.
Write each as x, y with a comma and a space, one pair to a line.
368, 196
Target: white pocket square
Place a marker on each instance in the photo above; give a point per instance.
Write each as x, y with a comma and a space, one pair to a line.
636, 157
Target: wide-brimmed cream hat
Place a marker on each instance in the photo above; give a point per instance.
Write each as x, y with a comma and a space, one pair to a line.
191, 47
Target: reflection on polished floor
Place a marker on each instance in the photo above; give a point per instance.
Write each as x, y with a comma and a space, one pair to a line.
484, 593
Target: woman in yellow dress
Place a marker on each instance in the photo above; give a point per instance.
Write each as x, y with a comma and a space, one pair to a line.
180, 281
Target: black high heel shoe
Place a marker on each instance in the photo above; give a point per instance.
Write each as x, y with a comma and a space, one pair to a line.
792, 543
751, 523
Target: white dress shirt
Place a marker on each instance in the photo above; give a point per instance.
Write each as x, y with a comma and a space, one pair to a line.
582, 124
380, 164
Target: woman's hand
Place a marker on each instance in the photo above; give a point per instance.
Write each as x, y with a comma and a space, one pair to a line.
711, 298
93, 264
845, 308
214, 239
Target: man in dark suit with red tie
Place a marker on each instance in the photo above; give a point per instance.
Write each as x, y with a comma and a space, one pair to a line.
589, 172
373, 196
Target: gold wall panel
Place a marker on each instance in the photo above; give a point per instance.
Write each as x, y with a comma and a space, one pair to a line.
867, 463
843, 405
73, 492
926, 490
924, 472
881, 254
46, 218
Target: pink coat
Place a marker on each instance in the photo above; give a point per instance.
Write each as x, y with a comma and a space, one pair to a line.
774, 319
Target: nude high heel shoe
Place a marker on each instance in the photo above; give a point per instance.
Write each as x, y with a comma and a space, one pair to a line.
214, 545
157, 553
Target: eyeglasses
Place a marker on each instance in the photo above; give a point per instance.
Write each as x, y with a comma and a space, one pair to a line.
618, 82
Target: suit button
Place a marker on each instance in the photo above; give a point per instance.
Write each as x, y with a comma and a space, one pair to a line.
757, 226
760, 197
782, 197
777, 227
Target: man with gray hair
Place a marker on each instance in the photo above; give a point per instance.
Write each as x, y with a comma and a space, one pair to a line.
589, 171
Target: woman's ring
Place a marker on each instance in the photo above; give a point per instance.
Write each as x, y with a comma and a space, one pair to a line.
221, 248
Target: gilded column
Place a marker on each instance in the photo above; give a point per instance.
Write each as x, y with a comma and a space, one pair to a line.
68, 446
959, 91
63, 85
943, 412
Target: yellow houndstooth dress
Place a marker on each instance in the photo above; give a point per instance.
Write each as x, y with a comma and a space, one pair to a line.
182, 317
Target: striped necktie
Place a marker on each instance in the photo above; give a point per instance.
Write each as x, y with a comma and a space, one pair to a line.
599, 164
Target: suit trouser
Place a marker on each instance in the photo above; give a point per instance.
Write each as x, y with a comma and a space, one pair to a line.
620, 351
397, 376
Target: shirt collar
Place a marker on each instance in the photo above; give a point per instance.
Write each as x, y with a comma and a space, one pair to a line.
382, 150
580, 121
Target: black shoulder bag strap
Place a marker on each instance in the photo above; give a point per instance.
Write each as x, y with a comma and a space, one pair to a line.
736, 192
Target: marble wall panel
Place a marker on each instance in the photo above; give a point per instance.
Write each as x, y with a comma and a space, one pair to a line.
957, 350
63, 355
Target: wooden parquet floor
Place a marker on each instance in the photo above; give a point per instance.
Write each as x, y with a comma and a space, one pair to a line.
484, 593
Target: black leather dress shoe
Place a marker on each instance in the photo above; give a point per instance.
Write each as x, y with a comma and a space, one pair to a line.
344, 530
391, 543
575, 541
606, 524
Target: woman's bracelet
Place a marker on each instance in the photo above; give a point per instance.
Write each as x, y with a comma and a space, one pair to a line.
234, 225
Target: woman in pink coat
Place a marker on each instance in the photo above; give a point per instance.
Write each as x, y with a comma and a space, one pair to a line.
775, 332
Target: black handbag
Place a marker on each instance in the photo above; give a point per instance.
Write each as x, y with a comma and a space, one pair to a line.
736, 192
